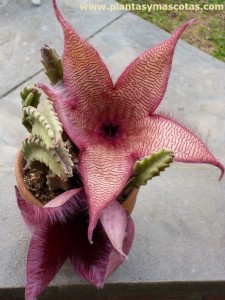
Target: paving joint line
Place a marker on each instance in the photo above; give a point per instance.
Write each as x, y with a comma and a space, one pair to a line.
111, 22
41, 70
19, 84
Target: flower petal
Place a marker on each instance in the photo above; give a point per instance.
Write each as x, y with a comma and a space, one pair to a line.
156, 132
68, 114
34, 215
85, 75
90, 260
105, 170
94, 262
114, 221
144, 81
86, 94
115, 258
62, 198
49, 248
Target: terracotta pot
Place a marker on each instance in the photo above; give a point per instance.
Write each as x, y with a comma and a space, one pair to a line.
128, 203
24, 192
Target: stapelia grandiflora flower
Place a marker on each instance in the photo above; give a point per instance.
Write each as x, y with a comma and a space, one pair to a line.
113, 125
60, 231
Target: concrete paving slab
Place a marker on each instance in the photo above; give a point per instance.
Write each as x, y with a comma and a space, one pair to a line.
25, 28
179, 236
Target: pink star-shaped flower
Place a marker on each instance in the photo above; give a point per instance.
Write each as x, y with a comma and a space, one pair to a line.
114, 125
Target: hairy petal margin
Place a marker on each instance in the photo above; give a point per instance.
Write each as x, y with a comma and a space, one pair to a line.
55, 210
48, 250
95, 262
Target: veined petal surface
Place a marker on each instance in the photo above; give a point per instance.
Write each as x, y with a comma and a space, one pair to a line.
157, 132
143, 83
105, 170
114, 126
85, 75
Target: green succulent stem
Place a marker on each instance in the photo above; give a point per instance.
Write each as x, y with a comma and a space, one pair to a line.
40, 126
45, 149
149, 167
45, 123
30, 98
52, 63
34, 149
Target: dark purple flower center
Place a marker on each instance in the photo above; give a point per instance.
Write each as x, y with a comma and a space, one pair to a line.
110, 131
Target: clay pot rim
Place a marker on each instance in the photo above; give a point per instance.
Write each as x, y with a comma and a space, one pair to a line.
24, 192
128, 203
